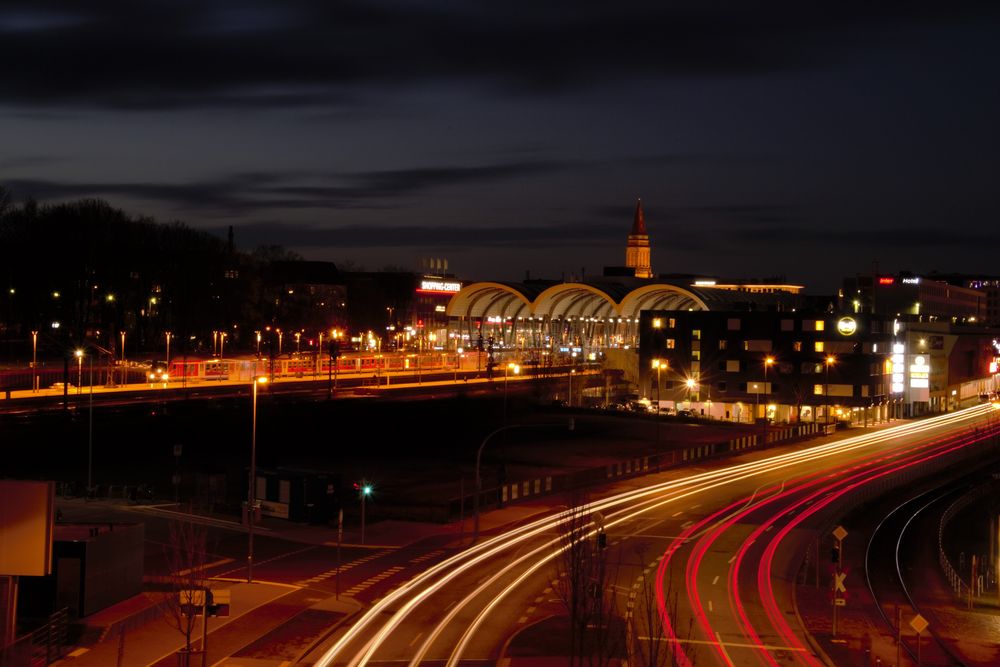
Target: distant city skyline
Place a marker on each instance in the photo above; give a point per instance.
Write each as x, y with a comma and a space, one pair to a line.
805, 141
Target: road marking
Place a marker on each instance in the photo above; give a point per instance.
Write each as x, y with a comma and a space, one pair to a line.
732, 559
677, 513
695, 506
224, 561
77, 653
522, 620
679, 640
419, 635
725, 653
530, 611
710, 607
686, 524
716, 580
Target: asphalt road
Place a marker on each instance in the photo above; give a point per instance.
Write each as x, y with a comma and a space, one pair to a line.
726, 544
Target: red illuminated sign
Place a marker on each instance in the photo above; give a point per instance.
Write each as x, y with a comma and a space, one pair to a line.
886, 280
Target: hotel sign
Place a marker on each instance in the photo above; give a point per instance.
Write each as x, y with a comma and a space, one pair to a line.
439, 286
846, 326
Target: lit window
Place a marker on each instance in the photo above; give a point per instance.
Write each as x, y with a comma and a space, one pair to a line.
820, 325
671, 343
819, 346
696, 334
657, 323
722, 344
818, 389
672, 323
696, 354
797, 346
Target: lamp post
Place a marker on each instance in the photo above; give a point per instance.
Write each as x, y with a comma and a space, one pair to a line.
215, 342
479, 454
258, 344
279, 342
168, 334
690, 385
569, 392
90, 427
319, 356
298, 337
34, 361
826, 392
79, 371
658, 364
124, 372
222, 344
767, 394
458, 361
251, 491
517, 370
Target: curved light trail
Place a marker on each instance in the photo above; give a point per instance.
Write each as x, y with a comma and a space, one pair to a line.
521, 552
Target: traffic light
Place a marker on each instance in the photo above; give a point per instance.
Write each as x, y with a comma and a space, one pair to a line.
835, 555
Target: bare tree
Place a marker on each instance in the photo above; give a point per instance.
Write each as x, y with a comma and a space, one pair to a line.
648, 644
186, 558
596, 630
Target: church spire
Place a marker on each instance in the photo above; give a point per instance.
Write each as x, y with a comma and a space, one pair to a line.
637, 251
639, 222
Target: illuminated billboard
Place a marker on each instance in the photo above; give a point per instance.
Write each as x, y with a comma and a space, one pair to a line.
440, 286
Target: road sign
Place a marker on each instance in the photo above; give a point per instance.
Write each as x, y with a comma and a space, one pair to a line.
839, 602
838, 582
919, 624
839, 533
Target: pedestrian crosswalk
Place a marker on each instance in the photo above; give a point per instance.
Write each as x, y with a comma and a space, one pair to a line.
323, 576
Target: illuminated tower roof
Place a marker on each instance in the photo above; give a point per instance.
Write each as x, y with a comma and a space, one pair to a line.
637, 251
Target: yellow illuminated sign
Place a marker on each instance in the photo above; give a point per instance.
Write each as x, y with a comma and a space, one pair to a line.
846, 326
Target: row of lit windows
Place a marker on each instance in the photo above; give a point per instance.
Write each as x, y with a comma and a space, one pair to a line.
753, 345
735, 324
838, 390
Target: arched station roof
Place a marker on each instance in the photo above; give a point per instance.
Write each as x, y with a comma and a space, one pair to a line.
622, 298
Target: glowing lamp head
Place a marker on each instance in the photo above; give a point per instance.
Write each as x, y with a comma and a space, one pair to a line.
690, 383
78, 354
262, 379
768, 361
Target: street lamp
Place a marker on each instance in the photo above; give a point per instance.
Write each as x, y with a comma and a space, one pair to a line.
298, 337
458, 361
168, 334
34, 361
222, 344
690, 385
251, 499
767, 394
215, 342
517, 370
124, 371
79, 370
657, 365
569, 392
479, 454
830, 360
279, 342
258, 344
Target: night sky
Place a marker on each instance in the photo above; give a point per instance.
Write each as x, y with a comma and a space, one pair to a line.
802, 139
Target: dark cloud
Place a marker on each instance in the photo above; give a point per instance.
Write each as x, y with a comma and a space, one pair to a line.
242, 193
141, 54
445, 237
